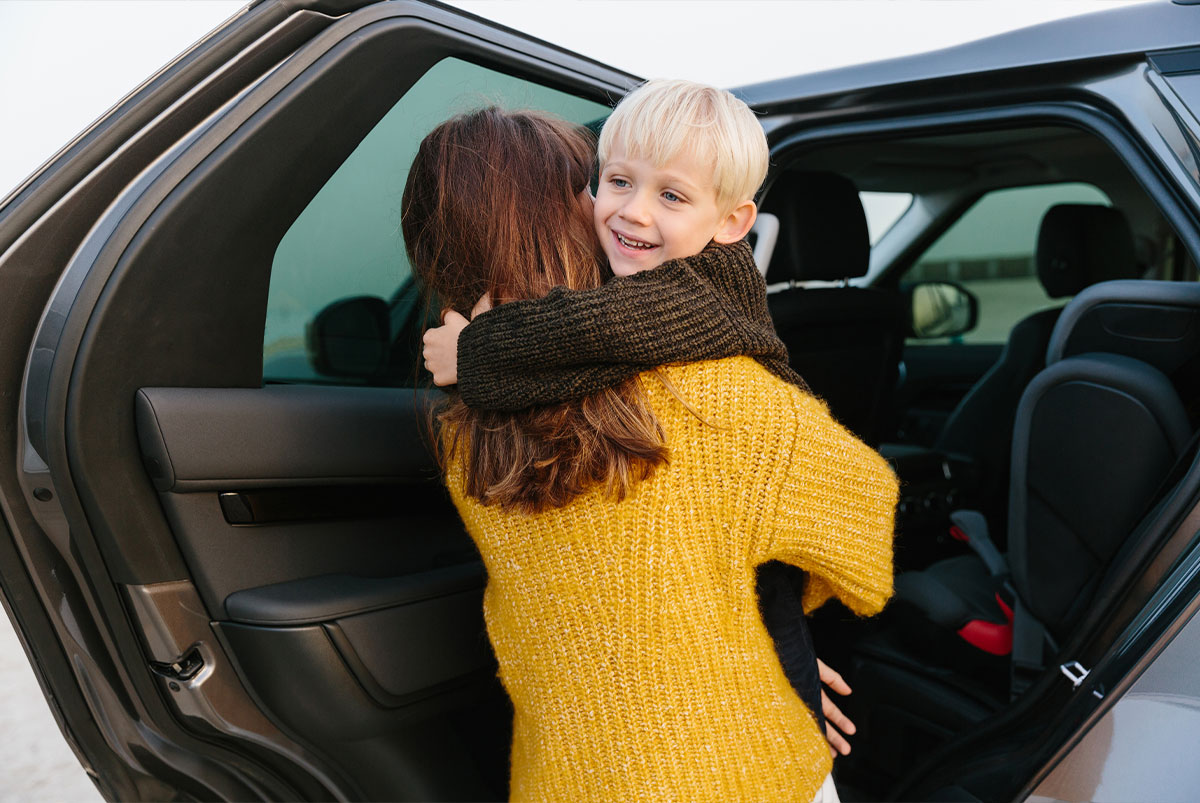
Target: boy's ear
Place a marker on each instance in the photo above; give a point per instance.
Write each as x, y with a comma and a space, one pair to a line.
737, 223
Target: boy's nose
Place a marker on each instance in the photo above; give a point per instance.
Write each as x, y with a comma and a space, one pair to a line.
634, 210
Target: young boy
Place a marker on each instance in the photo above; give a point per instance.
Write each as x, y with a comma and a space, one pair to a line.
679, 166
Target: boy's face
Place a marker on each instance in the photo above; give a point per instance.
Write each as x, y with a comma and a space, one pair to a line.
646, 215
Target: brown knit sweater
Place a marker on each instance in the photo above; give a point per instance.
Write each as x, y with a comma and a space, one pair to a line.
572, 343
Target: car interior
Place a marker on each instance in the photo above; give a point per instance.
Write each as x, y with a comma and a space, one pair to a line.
1066, 446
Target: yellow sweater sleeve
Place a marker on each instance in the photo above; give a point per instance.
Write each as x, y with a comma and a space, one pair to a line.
835, 514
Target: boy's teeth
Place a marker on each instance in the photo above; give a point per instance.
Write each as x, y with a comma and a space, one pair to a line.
632, 243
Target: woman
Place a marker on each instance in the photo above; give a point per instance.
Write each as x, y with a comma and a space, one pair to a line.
621, 532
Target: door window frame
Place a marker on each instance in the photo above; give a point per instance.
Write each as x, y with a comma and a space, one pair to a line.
88, 299
1147, 169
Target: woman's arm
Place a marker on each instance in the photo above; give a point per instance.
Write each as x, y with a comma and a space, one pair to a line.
835, 514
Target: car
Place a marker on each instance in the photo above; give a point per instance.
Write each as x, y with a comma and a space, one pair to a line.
226, 546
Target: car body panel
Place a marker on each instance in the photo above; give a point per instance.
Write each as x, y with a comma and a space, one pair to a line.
1142, 748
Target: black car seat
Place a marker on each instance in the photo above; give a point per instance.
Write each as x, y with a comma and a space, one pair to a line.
1078, 245
1096, 433
845, 341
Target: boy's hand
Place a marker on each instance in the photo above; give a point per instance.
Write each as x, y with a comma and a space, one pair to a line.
441, 343
834, 718
441, 348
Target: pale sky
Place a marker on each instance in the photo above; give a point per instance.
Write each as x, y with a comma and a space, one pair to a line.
63, 63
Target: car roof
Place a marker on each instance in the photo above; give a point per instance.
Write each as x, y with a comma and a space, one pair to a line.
1121, 31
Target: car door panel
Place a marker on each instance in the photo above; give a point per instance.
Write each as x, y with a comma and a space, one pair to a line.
339, 578
370, 611
209, 438
388, 695
308, 460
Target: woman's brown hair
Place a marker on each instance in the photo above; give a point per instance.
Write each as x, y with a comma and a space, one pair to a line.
491, 206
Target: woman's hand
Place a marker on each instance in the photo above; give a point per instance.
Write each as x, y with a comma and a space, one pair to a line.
834, 718
440, 351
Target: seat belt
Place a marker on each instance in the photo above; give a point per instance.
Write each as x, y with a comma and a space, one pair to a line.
1029, 635
974, 528
1028, 649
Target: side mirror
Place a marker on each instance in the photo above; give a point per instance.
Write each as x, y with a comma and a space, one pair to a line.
941, 309
350, 338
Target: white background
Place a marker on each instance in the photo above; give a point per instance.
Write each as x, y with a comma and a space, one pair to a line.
64, 62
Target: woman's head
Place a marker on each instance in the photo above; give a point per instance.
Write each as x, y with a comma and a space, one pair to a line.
492, 204
496, 203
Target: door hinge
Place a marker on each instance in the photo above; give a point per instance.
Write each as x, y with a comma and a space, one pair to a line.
185, 667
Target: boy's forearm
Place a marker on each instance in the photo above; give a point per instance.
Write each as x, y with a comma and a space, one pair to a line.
512, 390
654, 318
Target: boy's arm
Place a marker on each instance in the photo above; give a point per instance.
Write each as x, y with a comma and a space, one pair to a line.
571, 343
835, 515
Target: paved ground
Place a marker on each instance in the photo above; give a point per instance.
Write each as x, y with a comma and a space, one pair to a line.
36, 765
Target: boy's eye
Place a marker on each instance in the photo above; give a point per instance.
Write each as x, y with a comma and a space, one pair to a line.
618, 182
670, 196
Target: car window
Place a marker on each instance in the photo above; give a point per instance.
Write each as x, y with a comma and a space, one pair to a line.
883, 209
990, 251
347, 242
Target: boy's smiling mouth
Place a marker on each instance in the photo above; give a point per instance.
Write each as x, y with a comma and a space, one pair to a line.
633, 243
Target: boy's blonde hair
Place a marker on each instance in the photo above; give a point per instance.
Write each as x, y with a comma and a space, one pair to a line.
663, 118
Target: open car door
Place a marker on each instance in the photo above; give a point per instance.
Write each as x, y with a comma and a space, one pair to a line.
225, 544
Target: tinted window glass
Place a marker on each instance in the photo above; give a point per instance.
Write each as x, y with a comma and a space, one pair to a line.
347, 241
990, 251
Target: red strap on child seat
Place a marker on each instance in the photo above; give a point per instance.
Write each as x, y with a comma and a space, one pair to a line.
1008, 612
989, 636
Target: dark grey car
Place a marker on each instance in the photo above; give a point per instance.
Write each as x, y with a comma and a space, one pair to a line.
224, 541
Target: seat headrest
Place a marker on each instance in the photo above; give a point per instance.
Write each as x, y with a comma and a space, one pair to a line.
823, 229
1157, 322
1081, 244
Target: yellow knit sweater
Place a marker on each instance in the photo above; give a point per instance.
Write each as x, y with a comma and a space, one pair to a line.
628, 634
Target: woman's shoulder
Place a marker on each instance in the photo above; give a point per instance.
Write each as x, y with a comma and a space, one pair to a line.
739, 387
